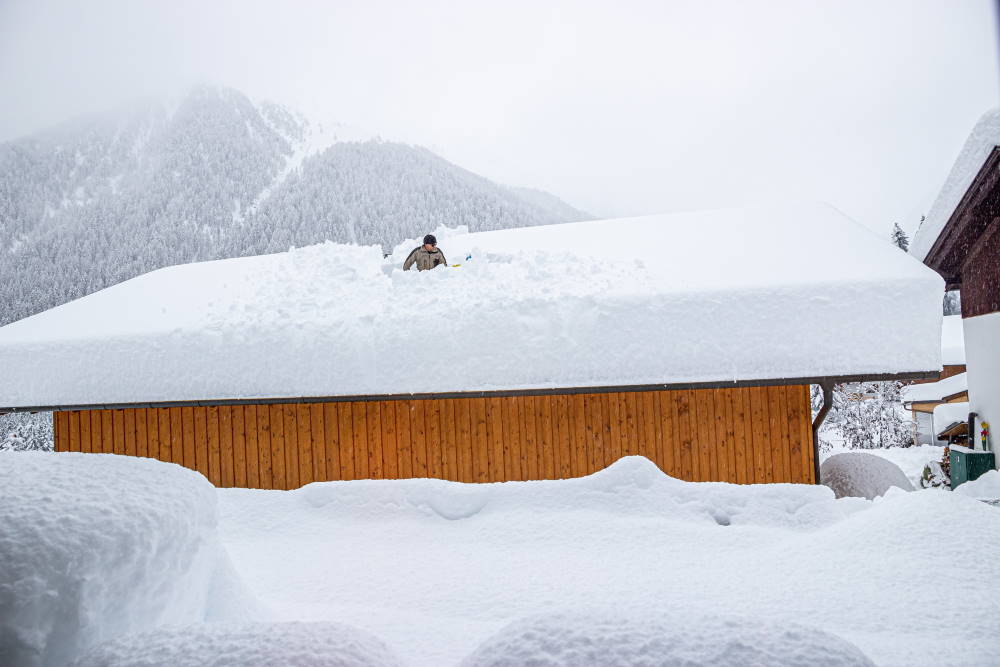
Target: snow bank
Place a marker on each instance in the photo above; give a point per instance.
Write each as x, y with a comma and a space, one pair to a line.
861, 475
95, 546
665, 639
985, 136
633, 485
252, 645
935, 391
986, 487
570, 305
437, 568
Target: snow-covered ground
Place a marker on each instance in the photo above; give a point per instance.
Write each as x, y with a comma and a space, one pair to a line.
435, 568
441, 571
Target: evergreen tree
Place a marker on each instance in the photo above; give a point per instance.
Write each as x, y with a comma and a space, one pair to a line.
899, 238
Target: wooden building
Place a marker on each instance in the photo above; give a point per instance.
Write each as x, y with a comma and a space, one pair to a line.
921, 399
961, 241
325, 364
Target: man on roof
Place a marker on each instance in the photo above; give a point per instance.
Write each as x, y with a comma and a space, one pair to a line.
426, 256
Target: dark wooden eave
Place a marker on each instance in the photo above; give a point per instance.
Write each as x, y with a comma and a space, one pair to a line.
546, 391
955, 429
968, 224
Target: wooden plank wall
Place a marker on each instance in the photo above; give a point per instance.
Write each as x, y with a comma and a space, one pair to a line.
743, 435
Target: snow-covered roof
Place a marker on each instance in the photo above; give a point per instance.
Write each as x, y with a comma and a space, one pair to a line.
948, 414
779, 292
935, 391
984, 138
952, 341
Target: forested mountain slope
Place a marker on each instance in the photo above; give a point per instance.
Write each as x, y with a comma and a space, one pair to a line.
107, 197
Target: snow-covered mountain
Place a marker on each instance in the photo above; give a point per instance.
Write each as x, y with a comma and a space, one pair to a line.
214, 174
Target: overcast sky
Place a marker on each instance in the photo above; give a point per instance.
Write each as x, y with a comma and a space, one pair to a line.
618, 107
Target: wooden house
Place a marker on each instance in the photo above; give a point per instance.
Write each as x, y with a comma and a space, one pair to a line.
960, 239
690, 339
921, 399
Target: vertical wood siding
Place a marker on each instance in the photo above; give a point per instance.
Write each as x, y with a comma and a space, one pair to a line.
744, 435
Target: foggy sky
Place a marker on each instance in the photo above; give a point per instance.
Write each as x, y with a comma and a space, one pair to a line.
618, 107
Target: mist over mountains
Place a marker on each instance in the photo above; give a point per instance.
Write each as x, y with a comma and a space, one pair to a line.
213, 175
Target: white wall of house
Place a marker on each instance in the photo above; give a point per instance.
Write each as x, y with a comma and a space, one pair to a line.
982, 350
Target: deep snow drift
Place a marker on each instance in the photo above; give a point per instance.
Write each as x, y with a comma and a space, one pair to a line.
672, 640
440, 572
986, 487
251, 645
436, 568
692, 297
94, 546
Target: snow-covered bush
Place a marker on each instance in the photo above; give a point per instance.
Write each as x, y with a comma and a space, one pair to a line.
95, 546
671, 639
861, 475
249, 645
934, 476
24, 431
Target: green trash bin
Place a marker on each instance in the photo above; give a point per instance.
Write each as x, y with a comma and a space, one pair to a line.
968, 464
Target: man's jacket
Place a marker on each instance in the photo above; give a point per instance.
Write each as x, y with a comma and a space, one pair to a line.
424, 259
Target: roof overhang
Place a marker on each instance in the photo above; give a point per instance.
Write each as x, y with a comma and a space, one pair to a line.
545, 391
953, 430
968, 223
922, 406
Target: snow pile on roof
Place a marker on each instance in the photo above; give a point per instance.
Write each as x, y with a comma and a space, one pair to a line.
984, 138
861, 475
436, 568
96, 546
936, 391
694, 297
948, 414
251, 645
952, 341
985, 487
577, 638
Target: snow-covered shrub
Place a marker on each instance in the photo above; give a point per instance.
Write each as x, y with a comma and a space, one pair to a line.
95, 546
24, 431
934, 476
249, 645
861, 475
664, 640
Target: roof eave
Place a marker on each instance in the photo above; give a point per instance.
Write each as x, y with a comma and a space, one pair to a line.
542, 391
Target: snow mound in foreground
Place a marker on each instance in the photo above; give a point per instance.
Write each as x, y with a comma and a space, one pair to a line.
662, 640
986, 487
249, 645
862, 475
95, 546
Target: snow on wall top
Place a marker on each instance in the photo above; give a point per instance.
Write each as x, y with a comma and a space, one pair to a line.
763, 293
984, 138
936, 391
